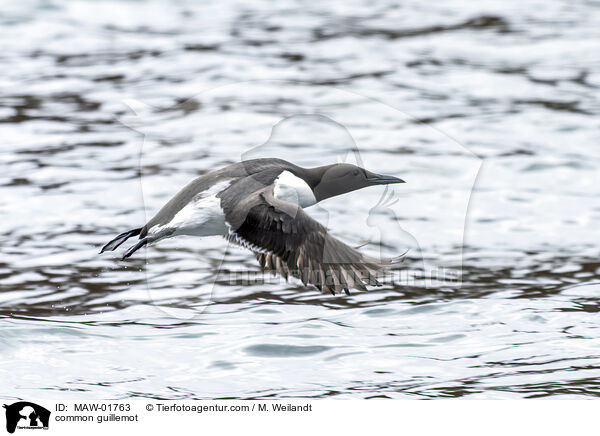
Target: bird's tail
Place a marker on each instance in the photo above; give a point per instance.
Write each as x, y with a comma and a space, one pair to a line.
113, 244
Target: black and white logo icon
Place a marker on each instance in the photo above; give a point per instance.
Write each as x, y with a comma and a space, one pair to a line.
26, 415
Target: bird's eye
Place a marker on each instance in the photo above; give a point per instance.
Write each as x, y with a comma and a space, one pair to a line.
355, 173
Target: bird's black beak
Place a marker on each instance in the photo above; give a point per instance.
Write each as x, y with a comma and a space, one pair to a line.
380, 179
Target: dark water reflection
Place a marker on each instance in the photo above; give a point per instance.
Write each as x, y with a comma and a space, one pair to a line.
104, 115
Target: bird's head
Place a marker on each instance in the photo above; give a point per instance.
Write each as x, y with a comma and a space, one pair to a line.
338, 179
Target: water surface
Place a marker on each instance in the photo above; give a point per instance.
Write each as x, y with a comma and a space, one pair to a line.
108, 108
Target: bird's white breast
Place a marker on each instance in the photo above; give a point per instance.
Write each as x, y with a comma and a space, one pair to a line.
203, 216
289, 187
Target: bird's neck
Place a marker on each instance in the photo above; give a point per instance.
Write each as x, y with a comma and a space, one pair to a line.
313, 178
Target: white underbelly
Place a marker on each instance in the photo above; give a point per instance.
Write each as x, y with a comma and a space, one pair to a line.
203, 216
200, 218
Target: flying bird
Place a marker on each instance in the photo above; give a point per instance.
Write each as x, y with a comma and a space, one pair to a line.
258, 204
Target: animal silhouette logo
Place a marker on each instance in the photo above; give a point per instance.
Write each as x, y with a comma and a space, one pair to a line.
26, 415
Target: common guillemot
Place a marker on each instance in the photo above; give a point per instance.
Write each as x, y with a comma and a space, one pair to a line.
259, 204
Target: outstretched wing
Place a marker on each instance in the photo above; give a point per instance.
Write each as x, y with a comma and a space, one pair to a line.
287, 240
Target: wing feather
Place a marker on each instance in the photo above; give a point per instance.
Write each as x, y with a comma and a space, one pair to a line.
288, 241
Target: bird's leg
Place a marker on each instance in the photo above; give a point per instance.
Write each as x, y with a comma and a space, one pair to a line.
137, 246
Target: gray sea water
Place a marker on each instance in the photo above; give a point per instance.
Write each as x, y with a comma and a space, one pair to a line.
489, 110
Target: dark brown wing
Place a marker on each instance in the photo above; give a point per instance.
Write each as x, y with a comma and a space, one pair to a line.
287, 240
